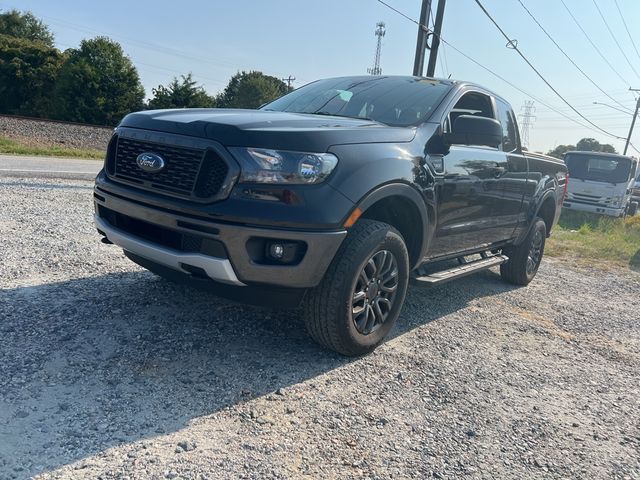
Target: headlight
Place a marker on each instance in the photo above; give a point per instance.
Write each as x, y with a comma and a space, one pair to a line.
617, 200
260, 165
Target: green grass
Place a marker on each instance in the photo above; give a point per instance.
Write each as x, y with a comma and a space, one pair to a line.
15, 147
593, 238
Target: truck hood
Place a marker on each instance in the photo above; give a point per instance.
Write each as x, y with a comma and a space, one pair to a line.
267, 129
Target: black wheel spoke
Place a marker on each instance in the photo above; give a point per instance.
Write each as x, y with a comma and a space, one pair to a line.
379, 316
386, 303
364, 278
374, 292
373, 268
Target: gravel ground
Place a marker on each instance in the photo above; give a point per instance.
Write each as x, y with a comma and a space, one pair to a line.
107, 371
41, 133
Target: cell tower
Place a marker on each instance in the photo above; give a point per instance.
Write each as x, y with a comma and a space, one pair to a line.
526, 118
380, 31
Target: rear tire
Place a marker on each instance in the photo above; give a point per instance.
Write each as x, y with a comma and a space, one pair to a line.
524, 259
360, 297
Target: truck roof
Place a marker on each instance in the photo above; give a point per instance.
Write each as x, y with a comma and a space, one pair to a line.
598, 154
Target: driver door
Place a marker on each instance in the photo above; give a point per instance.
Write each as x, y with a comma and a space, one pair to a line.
468, 192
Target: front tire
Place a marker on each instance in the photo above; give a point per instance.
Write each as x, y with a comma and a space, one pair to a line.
524, 259
360, 297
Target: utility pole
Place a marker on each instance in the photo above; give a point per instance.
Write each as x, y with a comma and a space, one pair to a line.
421, 43
435, 42
380, 32
289, 81
633, 121
527, 118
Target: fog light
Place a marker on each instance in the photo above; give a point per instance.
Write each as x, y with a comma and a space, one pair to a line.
284, 252
276, 251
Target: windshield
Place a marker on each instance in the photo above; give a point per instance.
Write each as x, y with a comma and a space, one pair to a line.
598, 168
397, 101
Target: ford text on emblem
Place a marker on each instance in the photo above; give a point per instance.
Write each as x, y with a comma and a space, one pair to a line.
150, 162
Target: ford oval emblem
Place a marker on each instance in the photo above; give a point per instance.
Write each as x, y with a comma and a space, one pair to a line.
150, 162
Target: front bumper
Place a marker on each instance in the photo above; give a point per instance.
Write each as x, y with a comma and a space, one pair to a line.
238, 268
584, 207
218, 269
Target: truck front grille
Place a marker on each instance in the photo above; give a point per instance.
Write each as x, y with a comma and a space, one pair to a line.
588, 199
188, 173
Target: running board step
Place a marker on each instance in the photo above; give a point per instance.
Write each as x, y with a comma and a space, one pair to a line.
461, 270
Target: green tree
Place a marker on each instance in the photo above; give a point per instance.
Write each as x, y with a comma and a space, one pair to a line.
25, 25
28, 72
607, 148
593, 145
584, 145
97, 84
184, 93
250, 90
560, 150
588, 145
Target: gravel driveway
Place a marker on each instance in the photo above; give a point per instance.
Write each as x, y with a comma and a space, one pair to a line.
107, 371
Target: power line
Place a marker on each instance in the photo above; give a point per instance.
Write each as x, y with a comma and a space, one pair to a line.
615, 39
402, 14
155, 47
511, 84
446, 62
627, 28
158, 67
575, 20
514, 46
460, 52
584, 74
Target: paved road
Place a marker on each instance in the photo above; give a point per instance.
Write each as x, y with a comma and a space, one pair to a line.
48, 167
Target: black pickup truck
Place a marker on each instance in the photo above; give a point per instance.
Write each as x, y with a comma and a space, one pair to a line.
332, 197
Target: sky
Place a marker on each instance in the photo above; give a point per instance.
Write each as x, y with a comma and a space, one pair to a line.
213, 39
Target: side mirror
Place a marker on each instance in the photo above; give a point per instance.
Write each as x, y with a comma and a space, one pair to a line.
472, 130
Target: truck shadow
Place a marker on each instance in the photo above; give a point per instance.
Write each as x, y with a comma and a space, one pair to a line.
92, 363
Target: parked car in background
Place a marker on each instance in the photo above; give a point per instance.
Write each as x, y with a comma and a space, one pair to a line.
332, 196
601, 183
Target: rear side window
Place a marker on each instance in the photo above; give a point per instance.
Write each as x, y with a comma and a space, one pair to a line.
509, 129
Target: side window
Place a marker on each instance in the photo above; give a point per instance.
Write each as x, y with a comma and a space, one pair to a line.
472, 103
508, 122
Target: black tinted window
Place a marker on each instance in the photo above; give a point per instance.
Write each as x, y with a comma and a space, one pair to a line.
598, 168
508, 122
398, 101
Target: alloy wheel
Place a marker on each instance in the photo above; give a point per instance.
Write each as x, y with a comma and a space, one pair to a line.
374, 292
535, 253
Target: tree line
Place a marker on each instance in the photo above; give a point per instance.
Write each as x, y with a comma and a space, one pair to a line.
97, 83
584, 145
